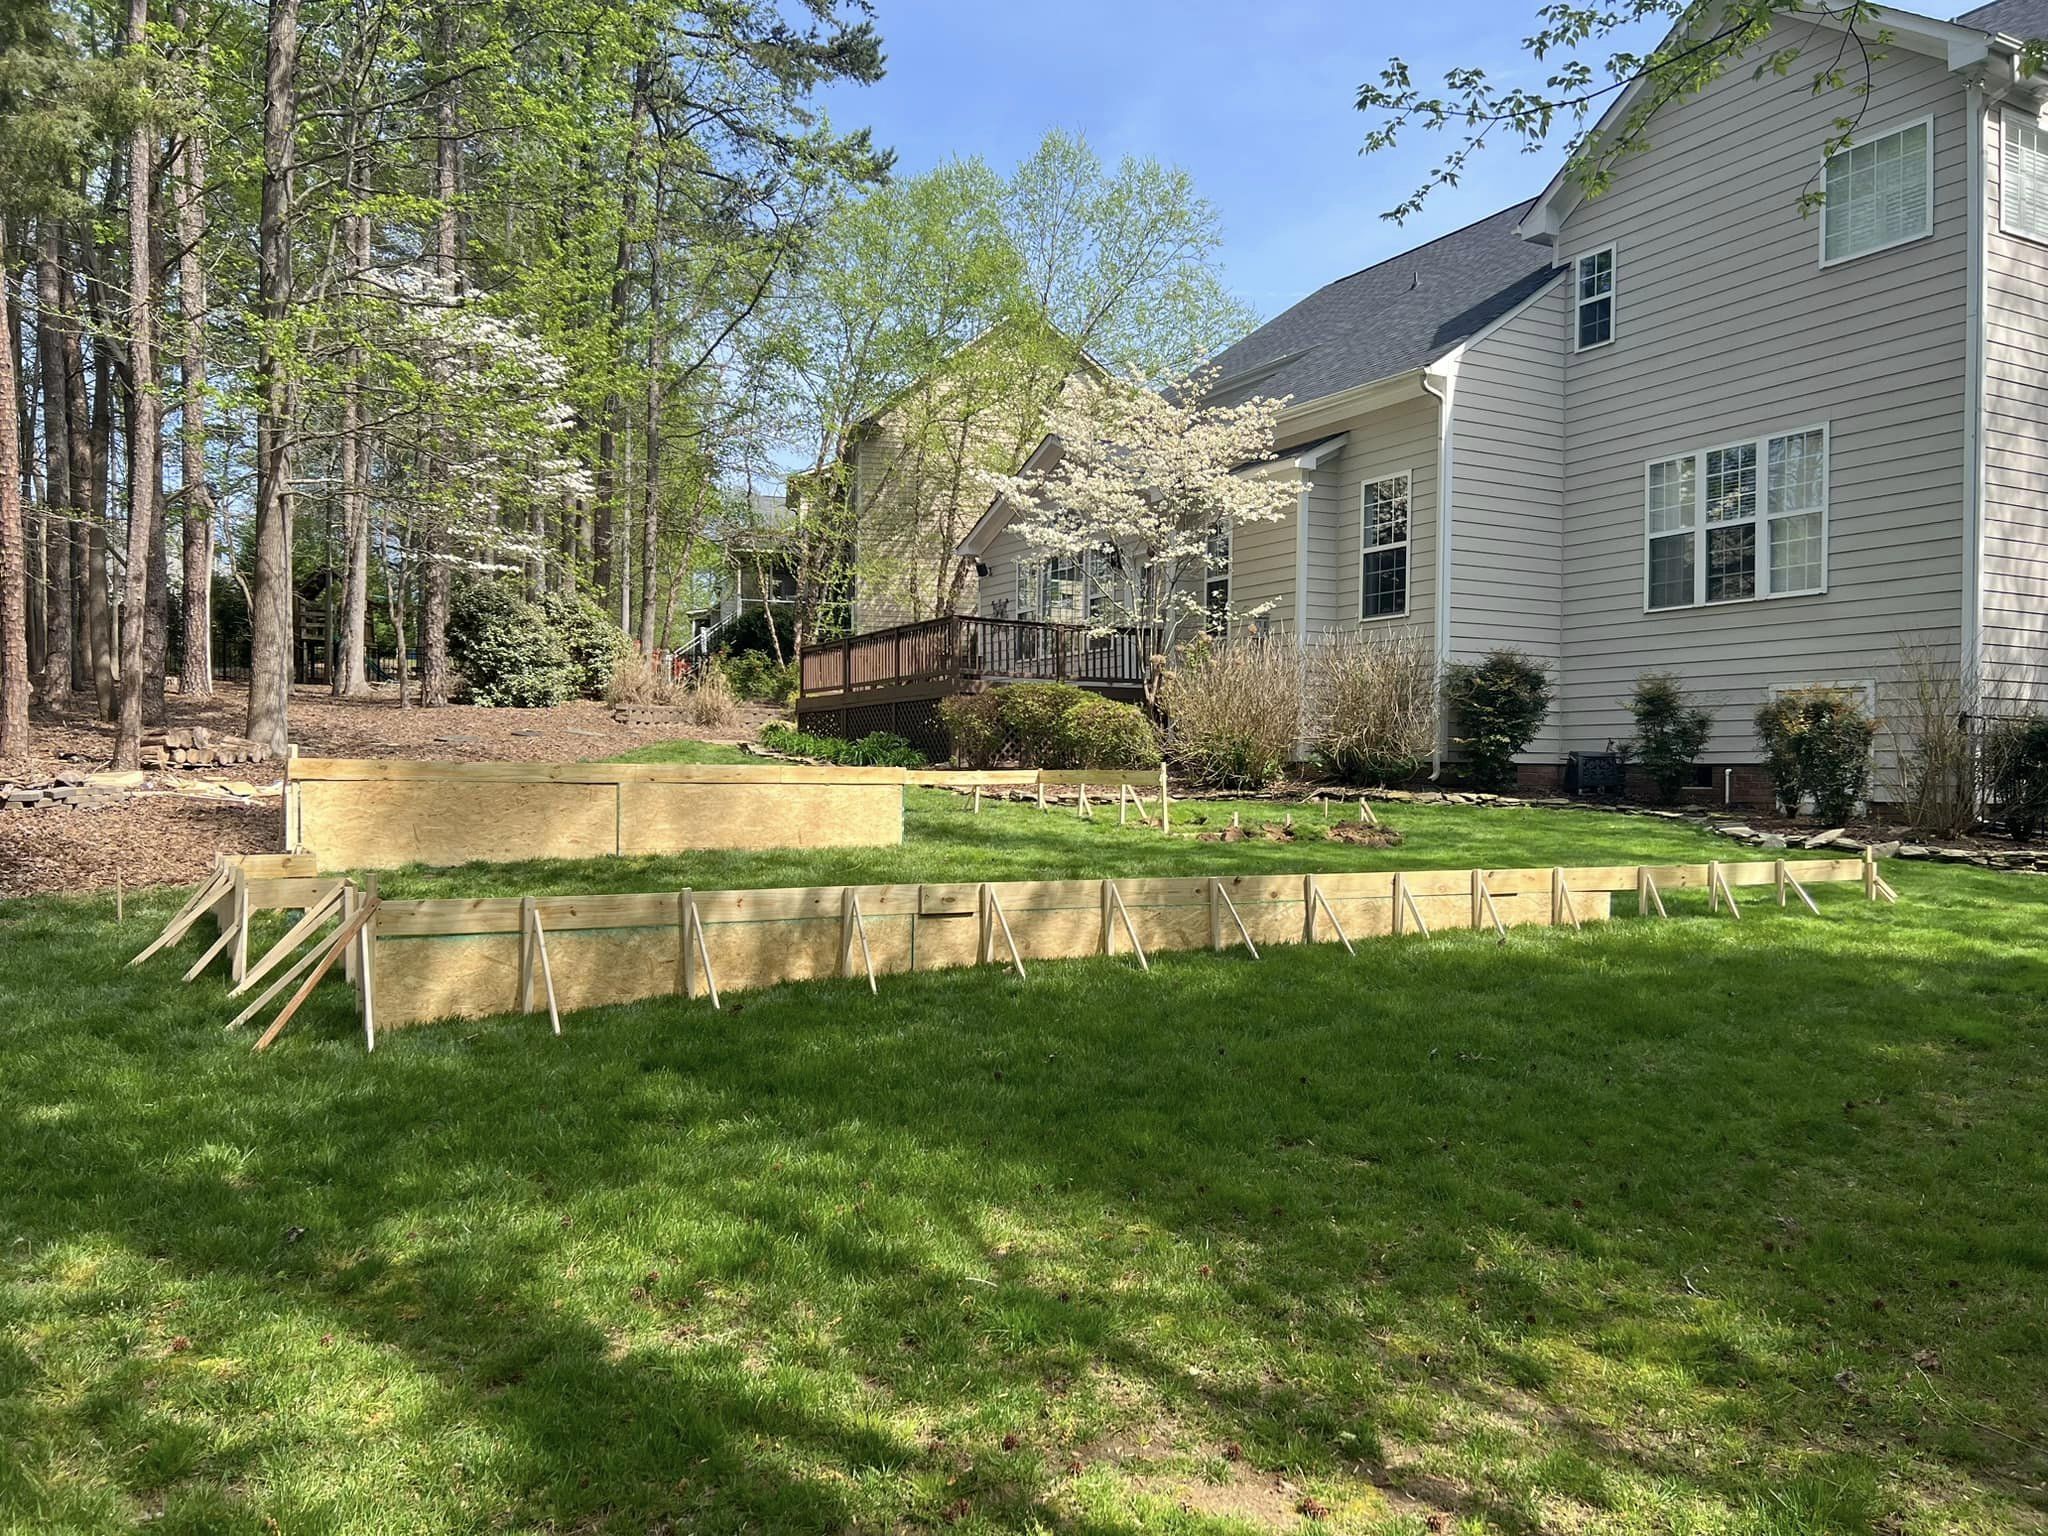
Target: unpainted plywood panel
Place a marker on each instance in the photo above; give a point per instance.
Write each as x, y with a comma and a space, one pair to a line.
378, 825
663, 818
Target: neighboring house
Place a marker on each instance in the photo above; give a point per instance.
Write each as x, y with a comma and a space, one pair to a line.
911, 471
755, 570
1683, 426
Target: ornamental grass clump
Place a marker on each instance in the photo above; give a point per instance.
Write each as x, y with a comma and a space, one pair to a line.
1372, 701
1233, 710
1817, 744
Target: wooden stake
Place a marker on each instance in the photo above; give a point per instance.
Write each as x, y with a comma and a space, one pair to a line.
1367, 814
1123, 805
547, 971
314, 916
1215, 915
1404, 896
227, 936
328, 955
703, 952
860, 927
366, 949
201, 903
268, 994
995, 908
1110, 894
1561, 904
1648, 897
1165, 805
1312, 899
527, 925
1492, 911
1216, 889
238, 967
977, 799
1789, 881
686, 985
1084, 812
1718, 882
1041, 790
1869, 875
1779, 872
120, 912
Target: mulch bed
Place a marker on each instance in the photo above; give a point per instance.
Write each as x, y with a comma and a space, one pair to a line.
169, 839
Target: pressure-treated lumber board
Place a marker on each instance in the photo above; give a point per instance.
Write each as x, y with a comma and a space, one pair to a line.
665, 817
376, 814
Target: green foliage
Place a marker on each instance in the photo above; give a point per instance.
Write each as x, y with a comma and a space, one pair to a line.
1817, 742
593, 639
877, 749
759, 678
1105, 733
974, 727
2015, 771
1497, 706
509, 653
1035, 717
750, 632
1671, 732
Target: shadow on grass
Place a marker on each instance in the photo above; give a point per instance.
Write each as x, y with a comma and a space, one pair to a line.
1679, 1225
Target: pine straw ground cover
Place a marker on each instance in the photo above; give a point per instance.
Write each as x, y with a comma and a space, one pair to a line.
1690, 1226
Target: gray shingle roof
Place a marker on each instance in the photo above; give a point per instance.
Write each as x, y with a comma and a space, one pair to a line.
2026, 19
1400, 314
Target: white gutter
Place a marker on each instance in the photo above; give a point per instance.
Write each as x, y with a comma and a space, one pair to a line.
1973, 411
1446, 486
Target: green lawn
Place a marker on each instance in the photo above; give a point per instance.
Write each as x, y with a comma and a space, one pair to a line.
1692, 1226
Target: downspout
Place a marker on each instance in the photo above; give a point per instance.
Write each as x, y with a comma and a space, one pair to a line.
1973, 413
1445, 487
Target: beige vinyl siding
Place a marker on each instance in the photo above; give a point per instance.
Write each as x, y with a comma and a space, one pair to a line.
1397, 439
1728, 328
999, 586
1507, 512
1262, 558
2014, 595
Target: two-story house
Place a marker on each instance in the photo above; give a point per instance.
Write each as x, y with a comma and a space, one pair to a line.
1688, 425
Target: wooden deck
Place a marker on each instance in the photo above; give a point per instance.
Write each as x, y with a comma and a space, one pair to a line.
892, 679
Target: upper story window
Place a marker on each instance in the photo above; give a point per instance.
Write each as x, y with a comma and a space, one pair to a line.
1593, 311
1739, 521
2023, 179
1879, 193
1383, 571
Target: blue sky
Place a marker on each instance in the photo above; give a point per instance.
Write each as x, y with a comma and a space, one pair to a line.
1253, 98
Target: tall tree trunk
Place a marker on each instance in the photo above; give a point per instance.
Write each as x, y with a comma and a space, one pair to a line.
188, 188
144, 450
156, 633
78, 429
99, 596
34, 492
438, 576
650, 477
58, 521
350, 679
13, 549
270, 616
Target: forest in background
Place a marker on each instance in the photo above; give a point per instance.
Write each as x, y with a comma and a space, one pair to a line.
358, 303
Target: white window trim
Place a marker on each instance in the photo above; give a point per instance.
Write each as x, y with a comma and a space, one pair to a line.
2005, 118
1761, 518
1406, 546
1613, 296
1209, 576
1873, 137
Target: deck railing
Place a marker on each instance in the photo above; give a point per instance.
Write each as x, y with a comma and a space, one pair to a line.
963, 649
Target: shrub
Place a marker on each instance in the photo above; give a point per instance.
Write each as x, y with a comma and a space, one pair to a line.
1107, 734
593, 639
1372, 704
877, 749
2016, 772
710, 698
1497, 705
1933, 755
759, 678
1035, 716
1233, 710
974, 727
749, 633
1671, 732
509, 654
1816, 742
636, 679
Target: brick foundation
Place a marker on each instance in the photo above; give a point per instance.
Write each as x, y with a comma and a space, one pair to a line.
1749, 790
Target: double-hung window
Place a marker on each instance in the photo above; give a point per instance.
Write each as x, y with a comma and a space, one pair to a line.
1383, 571
1216, 579
2023, 178
1879, 193
1738, 521
1593, 306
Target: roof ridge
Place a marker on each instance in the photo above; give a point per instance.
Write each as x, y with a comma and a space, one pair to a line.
1449, 234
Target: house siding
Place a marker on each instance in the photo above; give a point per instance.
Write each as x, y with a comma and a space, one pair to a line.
1507, 495
1727, 327
2014, 582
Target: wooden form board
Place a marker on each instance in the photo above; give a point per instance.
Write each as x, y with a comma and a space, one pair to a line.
377, 814
463, 958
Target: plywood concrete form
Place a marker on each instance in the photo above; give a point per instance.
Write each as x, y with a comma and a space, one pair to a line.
461, 958
376, 814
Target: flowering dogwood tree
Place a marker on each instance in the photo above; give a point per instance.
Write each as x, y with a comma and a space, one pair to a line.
1142, 494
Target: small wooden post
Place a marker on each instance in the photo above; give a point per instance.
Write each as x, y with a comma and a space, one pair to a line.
1041, 790
1400, 921
1308, 909
366, 972
526, 955
119, 906
1123, 804
1130, 929
239, 965
1869, 875
1478, 898
1084, 813
1780, 872
1165, 806
1108, 928
1215, 914
686, 982
984, 950
846, 915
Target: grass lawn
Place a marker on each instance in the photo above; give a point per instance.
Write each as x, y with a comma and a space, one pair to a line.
1693, 1226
